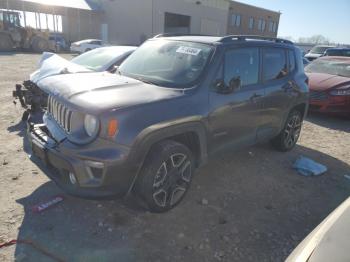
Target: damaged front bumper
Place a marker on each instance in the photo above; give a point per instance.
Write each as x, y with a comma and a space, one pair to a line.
97, 170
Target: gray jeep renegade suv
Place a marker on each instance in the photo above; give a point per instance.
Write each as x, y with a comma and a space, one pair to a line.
173, 102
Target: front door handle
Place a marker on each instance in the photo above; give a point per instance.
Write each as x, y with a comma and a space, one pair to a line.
288, 87
254, 97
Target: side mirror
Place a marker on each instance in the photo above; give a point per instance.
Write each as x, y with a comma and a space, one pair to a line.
114, 69
235, 83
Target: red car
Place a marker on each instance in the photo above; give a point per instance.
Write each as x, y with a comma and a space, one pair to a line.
329, 82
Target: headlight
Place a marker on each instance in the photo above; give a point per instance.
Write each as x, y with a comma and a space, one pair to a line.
341, 92
90, 125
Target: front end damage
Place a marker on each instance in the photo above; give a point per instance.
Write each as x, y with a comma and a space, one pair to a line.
31, 98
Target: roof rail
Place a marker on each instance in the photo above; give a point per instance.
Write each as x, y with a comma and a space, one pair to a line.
229, 38
176, 34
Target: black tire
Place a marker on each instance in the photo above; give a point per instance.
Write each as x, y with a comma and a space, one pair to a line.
166, 176
288, 137
6, 43
40, 44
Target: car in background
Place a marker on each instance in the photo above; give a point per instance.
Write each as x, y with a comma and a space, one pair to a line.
329, 83
317, 51
102, 59
329, 241
86, 45
337, 52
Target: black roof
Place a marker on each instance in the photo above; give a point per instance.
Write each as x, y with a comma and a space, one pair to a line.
224, 39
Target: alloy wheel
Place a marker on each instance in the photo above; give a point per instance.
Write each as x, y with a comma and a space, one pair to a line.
292, 131
172, 180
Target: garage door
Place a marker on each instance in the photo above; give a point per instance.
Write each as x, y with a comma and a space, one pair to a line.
210, 27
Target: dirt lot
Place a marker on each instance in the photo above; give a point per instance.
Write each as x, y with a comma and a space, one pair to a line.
243, 206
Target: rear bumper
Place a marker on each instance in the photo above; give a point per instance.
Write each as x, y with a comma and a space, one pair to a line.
101, 169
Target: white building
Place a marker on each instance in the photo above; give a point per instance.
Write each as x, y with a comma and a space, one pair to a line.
133, 21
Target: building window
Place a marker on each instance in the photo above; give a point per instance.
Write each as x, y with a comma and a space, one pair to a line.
259, 24
236, 20
274, 27
263, 25
251, 23
271, 26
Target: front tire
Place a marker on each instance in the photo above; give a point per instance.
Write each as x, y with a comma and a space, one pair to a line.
166, 176
288, 137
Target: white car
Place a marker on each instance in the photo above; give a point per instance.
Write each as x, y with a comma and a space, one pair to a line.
329, 241
316, 52
86, 45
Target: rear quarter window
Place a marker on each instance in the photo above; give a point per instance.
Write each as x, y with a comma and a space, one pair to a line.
274, 64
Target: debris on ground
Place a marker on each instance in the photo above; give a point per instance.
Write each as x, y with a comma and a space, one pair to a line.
307, 167
49, 203
33, 245
204, 202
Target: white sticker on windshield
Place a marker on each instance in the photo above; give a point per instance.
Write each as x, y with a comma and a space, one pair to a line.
188, 50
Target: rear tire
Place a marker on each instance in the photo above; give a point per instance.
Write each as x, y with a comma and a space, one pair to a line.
40, 44
288, 137
166, 176
6, 43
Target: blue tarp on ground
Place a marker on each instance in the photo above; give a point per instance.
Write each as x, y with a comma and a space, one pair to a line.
307, 167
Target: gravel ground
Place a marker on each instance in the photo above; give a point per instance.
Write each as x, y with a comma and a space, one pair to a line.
248, 205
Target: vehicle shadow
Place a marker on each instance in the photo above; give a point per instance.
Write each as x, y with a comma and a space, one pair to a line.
254, 199
19, 128
332, 122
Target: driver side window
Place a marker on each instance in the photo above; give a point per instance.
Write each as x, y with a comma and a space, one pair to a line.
242, 65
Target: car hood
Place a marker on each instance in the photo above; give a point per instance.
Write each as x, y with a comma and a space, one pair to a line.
51, 64
95, 92
322, 82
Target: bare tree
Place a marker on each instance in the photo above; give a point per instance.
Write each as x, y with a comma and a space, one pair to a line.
315, 39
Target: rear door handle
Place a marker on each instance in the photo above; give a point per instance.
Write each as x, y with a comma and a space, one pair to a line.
288, 87
254, 97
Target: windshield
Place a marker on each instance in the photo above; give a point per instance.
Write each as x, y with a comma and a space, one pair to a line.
97, 59
167, 63
319, 49
332, 67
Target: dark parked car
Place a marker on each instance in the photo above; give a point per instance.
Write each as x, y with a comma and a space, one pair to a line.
337, 52
329, 81
174, 102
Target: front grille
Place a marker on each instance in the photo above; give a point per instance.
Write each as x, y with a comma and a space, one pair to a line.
318, 96
60, 113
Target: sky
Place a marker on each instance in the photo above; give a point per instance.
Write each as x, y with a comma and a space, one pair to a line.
305, 18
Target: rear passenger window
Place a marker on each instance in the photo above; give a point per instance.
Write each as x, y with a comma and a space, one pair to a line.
242, 64
291, 58
274, 64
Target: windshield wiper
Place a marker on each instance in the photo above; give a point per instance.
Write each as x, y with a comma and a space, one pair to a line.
146, 81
